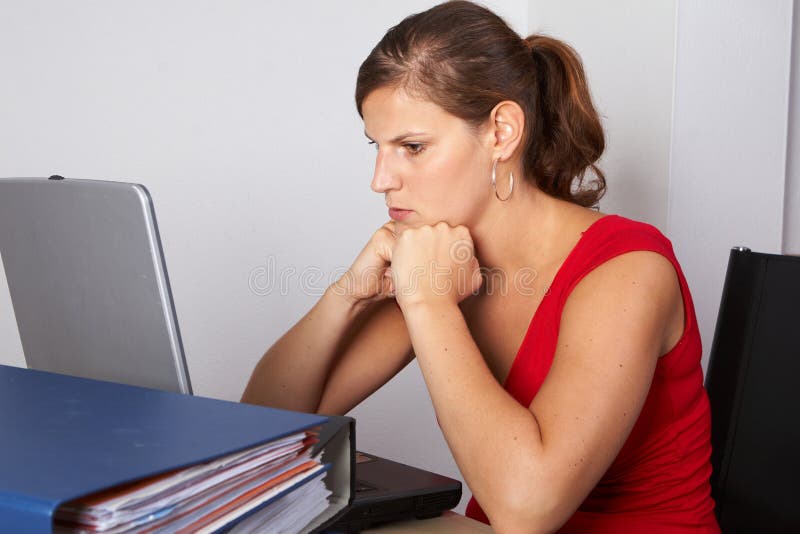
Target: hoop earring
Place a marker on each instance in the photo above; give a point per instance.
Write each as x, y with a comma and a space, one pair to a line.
494, 182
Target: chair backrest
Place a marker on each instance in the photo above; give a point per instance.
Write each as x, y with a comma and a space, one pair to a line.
753, 383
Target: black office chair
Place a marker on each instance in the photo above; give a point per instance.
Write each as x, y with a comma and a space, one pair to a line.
753, 383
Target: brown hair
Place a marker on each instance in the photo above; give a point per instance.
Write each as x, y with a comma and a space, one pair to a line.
466, 59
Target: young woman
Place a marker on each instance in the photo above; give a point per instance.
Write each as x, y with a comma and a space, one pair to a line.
559, 345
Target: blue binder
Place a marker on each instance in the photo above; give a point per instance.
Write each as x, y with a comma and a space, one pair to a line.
63, 437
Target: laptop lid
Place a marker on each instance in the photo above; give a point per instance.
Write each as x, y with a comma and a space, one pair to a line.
88, 281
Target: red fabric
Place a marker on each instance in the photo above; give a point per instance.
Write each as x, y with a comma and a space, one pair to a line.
659, 482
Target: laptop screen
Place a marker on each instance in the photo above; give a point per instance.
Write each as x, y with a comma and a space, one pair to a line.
88, 281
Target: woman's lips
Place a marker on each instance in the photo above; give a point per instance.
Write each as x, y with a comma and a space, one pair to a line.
398, 214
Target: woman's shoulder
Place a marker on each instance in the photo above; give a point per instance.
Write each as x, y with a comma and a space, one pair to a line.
608, 238
612, 235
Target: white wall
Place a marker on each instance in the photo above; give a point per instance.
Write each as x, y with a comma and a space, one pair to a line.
791, 205
239, 118
729, 139
627, 49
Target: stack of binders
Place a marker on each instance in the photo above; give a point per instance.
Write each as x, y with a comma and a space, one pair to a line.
80, 455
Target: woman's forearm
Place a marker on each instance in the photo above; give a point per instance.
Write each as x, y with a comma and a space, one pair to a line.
493, 438
293, 372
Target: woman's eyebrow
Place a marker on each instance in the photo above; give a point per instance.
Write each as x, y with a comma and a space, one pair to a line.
406, 135
397, 139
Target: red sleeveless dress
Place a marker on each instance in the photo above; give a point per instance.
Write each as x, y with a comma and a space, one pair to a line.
659, 482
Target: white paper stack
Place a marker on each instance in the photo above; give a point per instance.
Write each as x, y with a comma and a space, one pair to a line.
276, 485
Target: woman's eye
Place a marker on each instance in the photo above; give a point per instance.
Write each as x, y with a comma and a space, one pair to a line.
414, 148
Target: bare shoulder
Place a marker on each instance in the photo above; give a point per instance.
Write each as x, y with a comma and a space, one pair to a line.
632, 269
637, 294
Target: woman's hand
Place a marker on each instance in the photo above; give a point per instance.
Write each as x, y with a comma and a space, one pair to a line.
369, 278
434, 264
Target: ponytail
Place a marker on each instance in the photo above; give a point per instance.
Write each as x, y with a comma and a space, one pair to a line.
565, 135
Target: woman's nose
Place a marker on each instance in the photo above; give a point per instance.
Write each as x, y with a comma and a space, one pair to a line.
383, 179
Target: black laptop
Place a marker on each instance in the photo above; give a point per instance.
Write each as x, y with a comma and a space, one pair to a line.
86, 221
389, 491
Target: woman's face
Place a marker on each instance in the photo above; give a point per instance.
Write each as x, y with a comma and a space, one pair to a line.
431, 166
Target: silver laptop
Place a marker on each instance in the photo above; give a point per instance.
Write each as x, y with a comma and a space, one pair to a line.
88, 282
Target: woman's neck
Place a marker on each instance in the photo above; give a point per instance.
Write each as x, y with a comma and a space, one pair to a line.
530, 230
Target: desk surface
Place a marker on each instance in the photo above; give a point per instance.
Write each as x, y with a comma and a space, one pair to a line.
449, 522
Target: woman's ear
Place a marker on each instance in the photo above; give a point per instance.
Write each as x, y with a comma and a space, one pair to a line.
507, 125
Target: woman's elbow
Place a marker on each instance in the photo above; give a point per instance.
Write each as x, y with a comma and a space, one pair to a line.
525, 509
